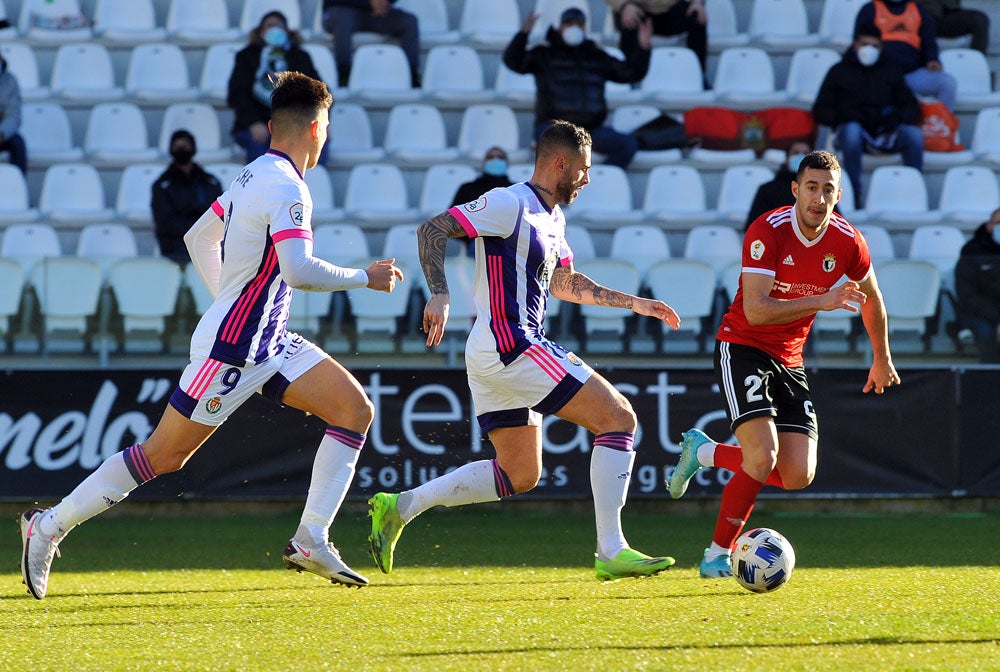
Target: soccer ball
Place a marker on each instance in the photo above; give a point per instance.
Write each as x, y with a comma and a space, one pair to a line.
762, 560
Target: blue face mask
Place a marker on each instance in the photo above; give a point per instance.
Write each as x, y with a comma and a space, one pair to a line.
496, 167
996, 234
276, 36
794, 161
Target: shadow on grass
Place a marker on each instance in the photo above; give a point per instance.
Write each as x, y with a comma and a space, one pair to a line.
494, 538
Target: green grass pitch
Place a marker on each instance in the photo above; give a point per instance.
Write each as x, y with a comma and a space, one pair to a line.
494, 588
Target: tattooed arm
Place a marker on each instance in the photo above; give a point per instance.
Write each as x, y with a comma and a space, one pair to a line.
432, 241
569, 285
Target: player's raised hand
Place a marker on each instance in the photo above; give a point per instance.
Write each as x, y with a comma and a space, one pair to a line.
529, 22
657, 309
383, 275
847, 296
435, 317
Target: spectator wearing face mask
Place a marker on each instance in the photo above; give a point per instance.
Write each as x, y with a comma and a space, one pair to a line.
10, 119
570, 73
778, 192
910, 42
494, 175
181, 195
977, 284
272, 48
868, 104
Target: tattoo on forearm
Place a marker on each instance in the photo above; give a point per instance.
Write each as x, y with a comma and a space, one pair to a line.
432, 241
582, 288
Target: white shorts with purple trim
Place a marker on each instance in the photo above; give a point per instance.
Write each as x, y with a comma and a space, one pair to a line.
536, 384
210, 391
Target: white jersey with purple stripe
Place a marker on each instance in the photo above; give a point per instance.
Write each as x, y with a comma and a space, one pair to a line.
268, 202
519, 242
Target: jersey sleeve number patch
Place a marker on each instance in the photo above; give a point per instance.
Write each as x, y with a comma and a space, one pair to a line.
297, 213
476, 205
756, 250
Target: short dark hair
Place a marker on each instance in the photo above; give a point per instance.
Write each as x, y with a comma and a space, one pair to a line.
562, 135
868, 30
298, 99
820, 160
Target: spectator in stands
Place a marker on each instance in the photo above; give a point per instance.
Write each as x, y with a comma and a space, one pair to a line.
950, 20
180, 196
494, 175
570, 74
10, 118
977, 283
867, 102
778, 192
342, 18
909, 41
272, 48
670, 17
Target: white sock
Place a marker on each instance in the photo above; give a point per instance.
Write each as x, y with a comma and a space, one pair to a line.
109, 484
714, 551
610, 475
332, 474
471, 483
706, 454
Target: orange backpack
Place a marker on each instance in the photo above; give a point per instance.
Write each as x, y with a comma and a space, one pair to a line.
940, 128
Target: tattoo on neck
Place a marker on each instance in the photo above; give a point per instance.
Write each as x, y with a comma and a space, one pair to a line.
542, 189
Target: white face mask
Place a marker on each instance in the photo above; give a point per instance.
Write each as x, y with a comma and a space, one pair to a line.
868, 55
573, 36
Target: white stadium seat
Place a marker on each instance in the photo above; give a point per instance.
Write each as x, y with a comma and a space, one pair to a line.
453, 75
83, 73
254, 11
675, 79
744, 78
135, 191
641, 245
68, 291
986, 139
46, 131
723, 28
126, 22
898, 194
415, 135
201, 22
441, 183
351, 139
688, 286
432, 17
781, 24
51, 22
489, 24
380, 73
608, 198
201, 121
836, 22
29, 243
23, 64
737, 191
675, 197
968, 195
145, 290
806, 72
157, 73
485, 126
717, 245
376, 192
117, 136
106, 244
972, 75
14, 206
73, 192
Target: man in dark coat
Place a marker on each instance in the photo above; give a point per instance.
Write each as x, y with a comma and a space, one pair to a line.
570, 73
977, 283
272, 48
180, 196
867, 102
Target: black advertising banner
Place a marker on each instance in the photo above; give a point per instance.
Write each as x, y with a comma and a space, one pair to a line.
58, 426
980, 427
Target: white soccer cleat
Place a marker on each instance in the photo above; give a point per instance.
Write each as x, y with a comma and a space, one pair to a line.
321, 560
37, 553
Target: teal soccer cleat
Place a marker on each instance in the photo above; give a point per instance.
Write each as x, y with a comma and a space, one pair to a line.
719, 568
687, 465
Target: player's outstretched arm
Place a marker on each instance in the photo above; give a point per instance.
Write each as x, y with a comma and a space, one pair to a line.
432, 242
569, 285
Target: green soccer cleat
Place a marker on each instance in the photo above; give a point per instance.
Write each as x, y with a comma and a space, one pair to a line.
630, 562
386, 528
687, 465
717, 568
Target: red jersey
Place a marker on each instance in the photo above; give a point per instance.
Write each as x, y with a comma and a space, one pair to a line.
775, 246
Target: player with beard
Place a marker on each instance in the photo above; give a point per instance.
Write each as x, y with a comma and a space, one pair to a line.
516, 374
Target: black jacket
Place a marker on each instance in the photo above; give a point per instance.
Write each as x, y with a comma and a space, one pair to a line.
178, 201
570, 80
876, 97
977, 276
470, 191
248, 109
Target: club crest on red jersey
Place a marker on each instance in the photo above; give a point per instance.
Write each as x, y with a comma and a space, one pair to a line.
829, 262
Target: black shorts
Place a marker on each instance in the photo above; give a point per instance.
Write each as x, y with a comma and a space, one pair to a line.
754, 384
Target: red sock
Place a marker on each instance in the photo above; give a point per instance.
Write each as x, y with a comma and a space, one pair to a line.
731, 458
738, 498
